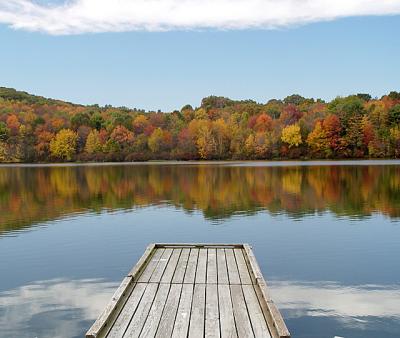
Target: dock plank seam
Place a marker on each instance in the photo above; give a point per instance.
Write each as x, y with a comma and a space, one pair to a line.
126, 324
164, 313
152, 308
190, 312
186, 266
131, 332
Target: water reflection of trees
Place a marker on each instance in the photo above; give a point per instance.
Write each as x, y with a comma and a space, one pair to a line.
30, 195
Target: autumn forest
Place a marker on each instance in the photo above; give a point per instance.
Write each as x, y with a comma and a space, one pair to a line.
37, 129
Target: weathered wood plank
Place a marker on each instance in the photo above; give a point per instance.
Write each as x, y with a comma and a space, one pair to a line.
196, 327
140, 265
183, 315
162, 264
242, 267
266, 313
257, 319
222, 267
212, 313
181, 267
122, 322
151, 324
190, 274
198, 245
110, 313
233, 272
139, 318
278, 322
170, 269
240, 312
251, 272
151, 265
211, 266
169, 313
227, 321
255, 267
201, 272
271, 313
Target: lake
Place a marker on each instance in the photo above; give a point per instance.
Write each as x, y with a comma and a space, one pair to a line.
326, 235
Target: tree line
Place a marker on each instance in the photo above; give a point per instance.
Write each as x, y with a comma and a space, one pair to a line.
37, 129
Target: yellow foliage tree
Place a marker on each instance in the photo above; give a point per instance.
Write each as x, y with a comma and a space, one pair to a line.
291, 135
318, 142
395, 133
155, 140
63, 146
205, 142
93, 143
395, 140
200, 114
250, 145
3, 152
221, 136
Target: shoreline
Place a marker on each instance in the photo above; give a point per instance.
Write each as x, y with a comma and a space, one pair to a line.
241, 163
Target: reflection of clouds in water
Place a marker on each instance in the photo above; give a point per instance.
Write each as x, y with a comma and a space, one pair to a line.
54, 308
66, 308
328, 299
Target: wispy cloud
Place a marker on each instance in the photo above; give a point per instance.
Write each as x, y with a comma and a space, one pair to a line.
85, 16
333, 299
50, 308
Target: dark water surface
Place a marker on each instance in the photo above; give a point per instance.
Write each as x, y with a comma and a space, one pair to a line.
327, 237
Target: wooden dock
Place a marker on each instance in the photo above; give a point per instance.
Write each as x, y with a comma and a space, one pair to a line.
192, 290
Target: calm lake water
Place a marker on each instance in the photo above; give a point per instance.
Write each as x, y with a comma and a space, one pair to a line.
326, 235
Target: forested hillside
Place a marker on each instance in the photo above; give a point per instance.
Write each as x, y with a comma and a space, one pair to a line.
36, 129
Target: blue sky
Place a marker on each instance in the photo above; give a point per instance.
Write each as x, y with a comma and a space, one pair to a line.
167, 69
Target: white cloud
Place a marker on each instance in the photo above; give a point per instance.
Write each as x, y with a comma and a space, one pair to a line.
85, 16
39, 309
332, 299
